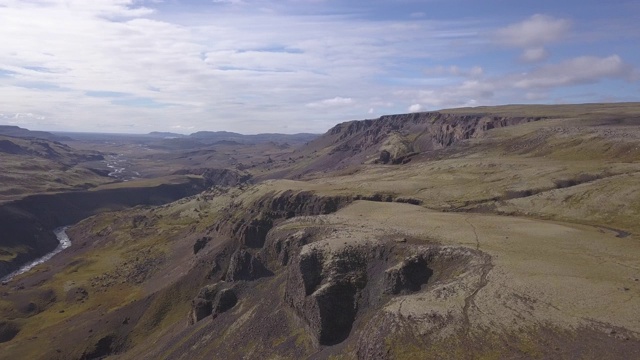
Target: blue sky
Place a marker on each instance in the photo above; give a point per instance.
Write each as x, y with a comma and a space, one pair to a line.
289, 66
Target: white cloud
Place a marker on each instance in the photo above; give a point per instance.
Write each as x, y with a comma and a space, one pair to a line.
534, 54
523, 87
229, 2
336, 101
220, 72
533, 34
108, 65
538, 30
580, 70
535, 96
415, 108
454, 70
467, 93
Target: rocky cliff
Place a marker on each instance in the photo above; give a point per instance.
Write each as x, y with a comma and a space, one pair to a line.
312, 286
335, 283
406, 133
393, 139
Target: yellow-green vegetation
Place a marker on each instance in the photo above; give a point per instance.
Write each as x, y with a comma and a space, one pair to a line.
8, 253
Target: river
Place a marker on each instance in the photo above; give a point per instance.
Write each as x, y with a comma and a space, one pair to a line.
65, 242
119, 168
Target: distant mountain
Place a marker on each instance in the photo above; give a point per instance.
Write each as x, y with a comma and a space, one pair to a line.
197, 139
45, 149
212, 134
16, 131
166, 135
218, 136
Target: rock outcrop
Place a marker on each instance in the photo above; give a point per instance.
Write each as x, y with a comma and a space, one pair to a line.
211, 301
331, 283
248, 235
219, 177
252, 227
434, 130
245, 266
323, 287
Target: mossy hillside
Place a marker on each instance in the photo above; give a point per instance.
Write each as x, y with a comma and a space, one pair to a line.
537, 341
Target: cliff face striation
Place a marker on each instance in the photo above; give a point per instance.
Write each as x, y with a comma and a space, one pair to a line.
402, 134
394, 139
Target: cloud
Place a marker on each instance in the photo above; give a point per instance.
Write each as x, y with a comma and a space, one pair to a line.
580, 70
534, 85
414, 108
534, 54
467, 93
229, 2
538, 30
221, 72
454, 70
22, 119
533, 34
336, 101
132, 65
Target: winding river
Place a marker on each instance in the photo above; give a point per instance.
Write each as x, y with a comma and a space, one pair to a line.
63, 238
118, 168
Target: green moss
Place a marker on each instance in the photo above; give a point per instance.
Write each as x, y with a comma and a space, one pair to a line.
10, 253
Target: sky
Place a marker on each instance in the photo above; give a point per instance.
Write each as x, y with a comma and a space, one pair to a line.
290, 66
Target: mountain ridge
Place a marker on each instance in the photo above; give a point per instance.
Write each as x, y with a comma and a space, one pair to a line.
16, 131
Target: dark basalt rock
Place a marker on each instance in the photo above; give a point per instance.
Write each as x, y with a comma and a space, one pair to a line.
407, 277
8, 330
255, 232
100, 350
219, 177
225, 300
385, 157
251, 230
202, 304
200, 244
325, 293
244, 266
212, 300
200, 309
329, 286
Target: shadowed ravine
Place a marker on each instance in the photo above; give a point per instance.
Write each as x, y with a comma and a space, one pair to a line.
65, 242
28, 222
